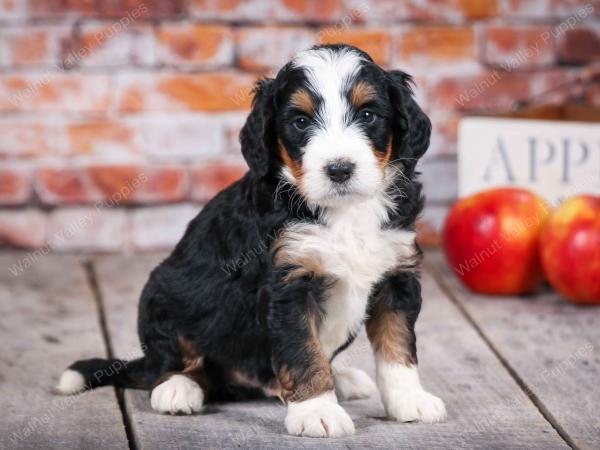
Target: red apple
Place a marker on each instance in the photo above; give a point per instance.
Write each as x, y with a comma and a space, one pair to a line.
570, 249
491, 241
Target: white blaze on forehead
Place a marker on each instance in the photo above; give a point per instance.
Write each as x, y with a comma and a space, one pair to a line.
328, 72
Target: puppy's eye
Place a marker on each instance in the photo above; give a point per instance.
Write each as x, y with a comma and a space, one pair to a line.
301, 123
367, 117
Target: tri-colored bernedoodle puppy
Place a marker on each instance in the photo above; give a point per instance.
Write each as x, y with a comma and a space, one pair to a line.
332, 196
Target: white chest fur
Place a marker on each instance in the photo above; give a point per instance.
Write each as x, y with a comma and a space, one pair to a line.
351, 247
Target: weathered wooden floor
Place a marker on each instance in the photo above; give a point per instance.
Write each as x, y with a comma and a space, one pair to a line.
518, 373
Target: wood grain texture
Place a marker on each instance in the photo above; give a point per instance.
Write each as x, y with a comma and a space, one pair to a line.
455, 364
48, 319
554, 347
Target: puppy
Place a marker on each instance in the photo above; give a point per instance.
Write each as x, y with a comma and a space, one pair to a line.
278, 273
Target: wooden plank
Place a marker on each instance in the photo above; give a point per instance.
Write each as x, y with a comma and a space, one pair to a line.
553, 347
455, 364
48, 319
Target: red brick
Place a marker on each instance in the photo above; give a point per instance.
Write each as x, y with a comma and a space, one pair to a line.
264, 48
518, 47
64, 8
54, 91
142, 9
493, 91
25, 228
134, 9
218, 91
58, 185
195, 45
116, 181
580, 45
99, 229
34, 45
111, 184
160, 227
137, 184
550, 9
376, 42
263, 11
15, 186
438, 10
111, 45
211, 178
308, 10
428, 46
102, 137
184, 136
31, 137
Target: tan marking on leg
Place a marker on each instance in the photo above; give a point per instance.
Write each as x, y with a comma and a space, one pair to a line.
390, 336
316, 378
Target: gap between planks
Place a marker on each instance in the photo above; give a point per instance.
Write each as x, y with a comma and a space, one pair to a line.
512, 372
92, 280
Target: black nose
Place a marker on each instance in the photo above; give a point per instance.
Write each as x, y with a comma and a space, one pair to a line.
339, 170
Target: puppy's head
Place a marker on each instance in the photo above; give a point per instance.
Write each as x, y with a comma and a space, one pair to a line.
335, 125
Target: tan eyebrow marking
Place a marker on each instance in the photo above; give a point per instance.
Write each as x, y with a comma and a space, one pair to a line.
303, 101
361, 93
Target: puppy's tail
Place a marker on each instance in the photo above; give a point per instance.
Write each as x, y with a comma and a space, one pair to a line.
92, 373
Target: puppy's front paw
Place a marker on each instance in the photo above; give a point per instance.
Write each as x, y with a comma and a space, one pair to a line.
415, 404
318, 417
351, 383
178, 395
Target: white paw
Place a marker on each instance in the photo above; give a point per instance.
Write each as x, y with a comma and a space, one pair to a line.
178, 395
415, 404
71, 382
318, 417
351, 383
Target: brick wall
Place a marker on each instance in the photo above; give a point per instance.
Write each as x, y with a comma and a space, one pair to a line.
119, 118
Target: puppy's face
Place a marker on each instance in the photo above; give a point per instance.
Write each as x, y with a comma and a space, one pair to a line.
334, 126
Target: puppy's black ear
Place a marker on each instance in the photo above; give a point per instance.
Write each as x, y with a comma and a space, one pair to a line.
412, 127
257, 136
